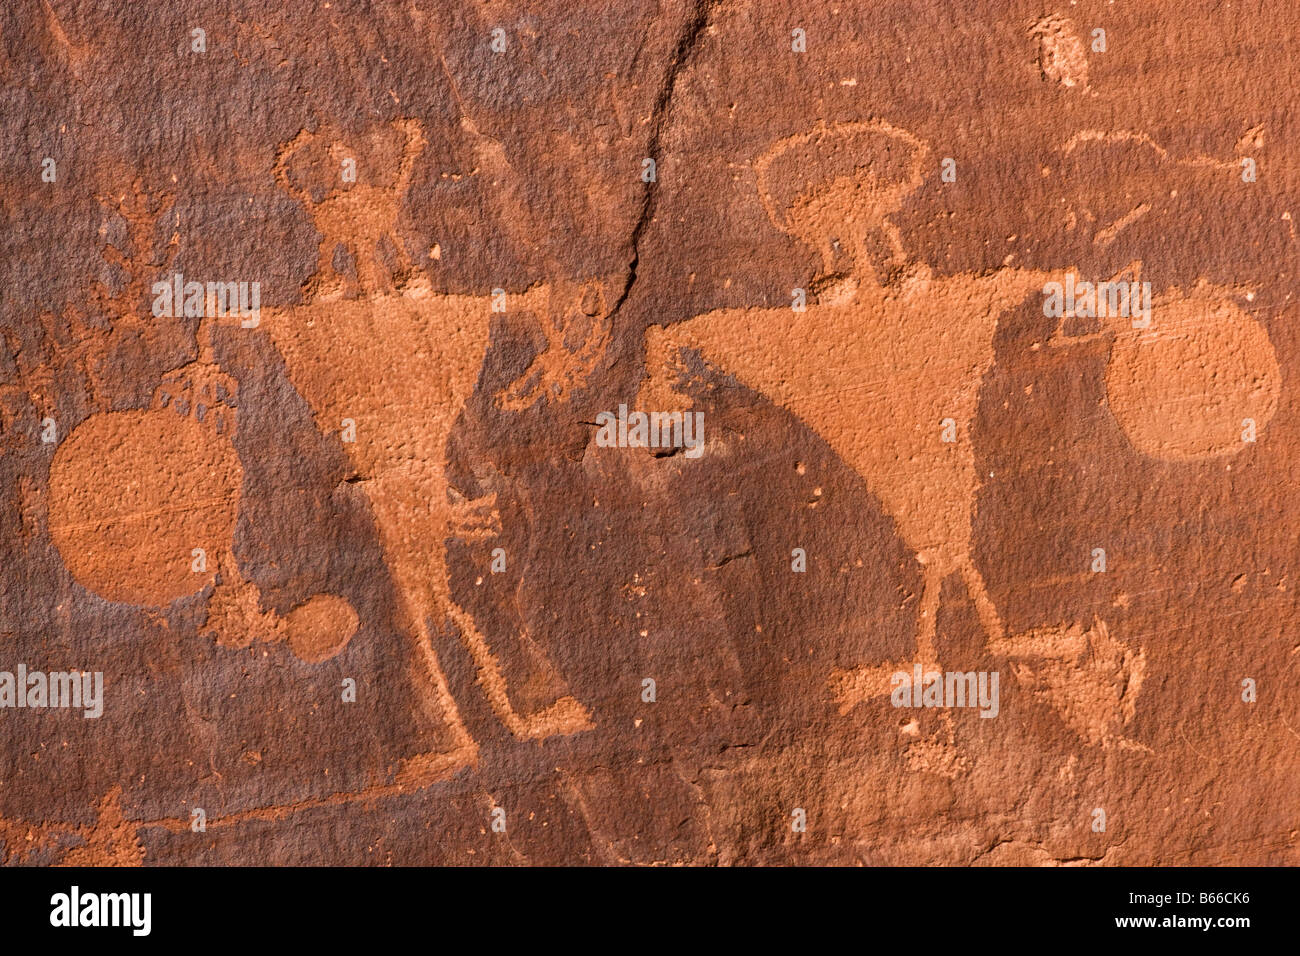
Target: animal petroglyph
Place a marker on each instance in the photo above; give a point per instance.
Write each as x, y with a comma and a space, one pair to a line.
74, 340
401, 365
875, 366
1147, 156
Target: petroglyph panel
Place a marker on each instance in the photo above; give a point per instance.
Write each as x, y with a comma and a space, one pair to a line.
345, 360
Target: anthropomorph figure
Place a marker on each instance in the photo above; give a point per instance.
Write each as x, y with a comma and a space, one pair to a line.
885, 363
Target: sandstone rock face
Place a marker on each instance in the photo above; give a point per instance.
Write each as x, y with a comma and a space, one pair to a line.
961, 527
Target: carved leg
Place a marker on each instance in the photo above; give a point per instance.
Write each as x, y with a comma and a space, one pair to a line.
477, 520
565, 716
854, 687
984, 606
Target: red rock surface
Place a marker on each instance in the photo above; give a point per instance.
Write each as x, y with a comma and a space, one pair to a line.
388, 485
